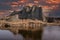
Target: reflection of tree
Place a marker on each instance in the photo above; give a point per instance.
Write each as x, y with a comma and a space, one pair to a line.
31, 25
21, 25
7, 25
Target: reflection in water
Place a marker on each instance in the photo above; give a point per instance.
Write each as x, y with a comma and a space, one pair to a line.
32, 35
49, 33
23, 35
7, 35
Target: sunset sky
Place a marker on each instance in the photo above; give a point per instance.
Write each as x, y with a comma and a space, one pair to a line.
50, 6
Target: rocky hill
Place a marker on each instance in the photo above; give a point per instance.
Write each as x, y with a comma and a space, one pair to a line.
27, 12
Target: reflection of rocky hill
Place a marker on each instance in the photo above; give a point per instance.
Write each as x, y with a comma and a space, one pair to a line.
27, 12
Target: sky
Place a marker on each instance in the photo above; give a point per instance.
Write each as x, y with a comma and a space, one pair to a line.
49, 6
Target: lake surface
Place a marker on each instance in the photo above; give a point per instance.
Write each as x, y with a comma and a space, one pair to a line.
8, 35
49, 33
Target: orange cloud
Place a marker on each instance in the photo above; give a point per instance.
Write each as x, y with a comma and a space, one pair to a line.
53, 7
22, 1
4, 11
19, 2
53, 1
14, 3
36, 2
1, 12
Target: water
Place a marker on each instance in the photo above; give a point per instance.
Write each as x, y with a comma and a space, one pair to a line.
49, 33
8, 35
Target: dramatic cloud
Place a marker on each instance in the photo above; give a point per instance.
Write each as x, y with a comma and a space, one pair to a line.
50, 6
53, 1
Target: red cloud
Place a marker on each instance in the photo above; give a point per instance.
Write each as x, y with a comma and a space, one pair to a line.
3, 12
53, 1
14, 3
53, 7
22, 1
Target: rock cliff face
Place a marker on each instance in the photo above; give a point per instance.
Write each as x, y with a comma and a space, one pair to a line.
28, 12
